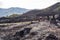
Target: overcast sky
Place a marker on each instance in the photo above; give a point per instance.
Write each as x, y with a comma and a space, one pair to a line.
29, 4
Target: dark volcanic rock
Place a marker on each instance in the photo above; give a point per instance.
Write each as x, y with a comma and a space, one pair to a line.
51, 37
23, 32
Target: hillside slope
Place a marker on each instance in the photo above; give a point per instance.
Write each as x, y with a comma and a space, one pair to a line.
54, 9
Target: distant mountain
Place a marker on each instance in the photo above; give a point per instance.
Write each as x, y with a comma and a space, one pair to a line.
12, 10
32, 14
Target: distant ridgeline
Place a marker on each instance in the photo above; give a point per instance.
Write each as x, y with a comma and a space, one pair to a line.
33, 14
12, 10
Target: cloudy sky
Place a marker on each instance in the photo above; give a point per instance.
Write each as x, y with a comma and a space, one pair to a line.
29, 4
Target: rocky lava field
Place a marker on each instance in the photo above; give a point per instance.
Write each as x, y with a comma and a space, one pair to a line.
43, 30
